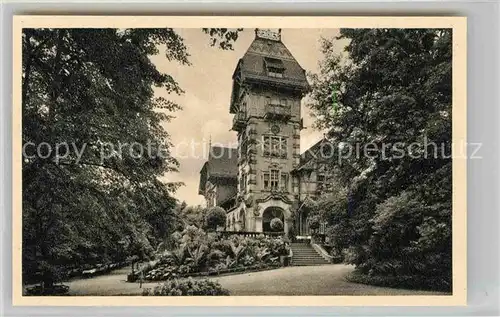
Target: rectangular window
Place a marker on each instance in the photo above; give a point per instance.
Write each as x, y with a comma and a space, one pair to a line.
284, 182
274, 179
266, 146
274, 66
283, 147
275, 146
274, 72
266, 180
277, 101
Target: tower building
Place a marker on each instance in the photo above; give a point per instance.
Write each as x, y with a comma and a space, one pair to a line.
268, 86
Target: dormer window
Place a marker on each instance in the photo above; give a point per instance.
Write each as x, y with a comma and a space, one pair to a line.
274, 67
278, 73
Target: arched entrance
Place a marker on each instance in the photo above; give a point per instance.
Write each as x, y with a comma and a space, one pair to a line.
269, 214
303, 223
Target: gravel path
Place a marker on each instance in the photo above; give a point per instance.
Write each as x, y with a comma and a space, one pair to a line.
113, 283
298, 280
305, 280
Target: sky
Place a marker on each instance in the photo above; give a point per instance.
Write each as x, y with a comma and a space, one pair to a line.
207, 84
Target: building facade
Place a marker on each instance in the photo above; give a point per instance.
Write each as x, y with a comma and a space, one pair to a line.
268, 178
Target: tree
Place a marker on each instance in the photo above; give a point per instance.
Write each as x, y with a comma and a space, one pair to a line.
82, 91
223, 38
216, 216
392, 89
193, 215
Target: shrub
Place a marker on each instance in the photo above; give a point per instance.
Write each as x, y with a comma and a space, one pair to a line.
248, 260
176, 238
402, 281
222, 245
340, 238
275, 246
215, 256
187, 287
177, 256
54, 290
238, 247
314, 222
276, 224
216, 216
261, 254
162, 273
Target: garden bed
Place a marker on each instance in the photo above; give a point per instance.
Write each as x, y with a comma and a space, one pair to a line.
198, 253
188, 287
224, 272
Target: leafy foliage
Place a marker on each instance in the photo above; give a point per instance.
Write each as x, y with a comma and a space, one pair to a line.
193, 215
98, 198
198, 251
276, 224
314, 222
391, 212
188, 287
216, 216
222, 37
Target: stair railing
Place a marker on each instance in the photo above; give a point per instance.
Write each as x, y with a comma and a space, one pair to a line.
322, 252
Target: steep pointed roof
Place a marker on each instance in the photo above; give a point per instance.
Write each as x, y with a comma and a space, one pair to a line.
267, 50
317, 153
254, 61
222, 163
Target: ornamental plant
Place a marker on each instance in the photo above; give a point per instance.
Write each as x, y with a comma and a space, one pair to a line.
276, 224
314, 222
187, 287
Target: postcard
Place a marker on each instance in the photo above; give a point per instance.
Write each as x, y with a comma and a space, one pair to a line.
215, 161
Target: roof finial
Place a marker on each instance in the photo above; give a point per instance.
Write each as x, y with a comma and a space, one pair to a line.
209, 141
268, 34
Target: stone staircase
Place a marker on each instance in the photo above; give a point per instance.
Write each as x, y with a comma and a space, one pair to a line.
304, 254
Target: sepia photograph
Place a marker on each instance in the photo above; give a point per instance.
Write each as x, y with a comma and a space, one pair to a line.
256, 161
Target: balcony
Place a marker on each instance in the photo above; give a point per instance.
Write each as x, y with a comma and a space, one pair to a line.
278, 112
239, 121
